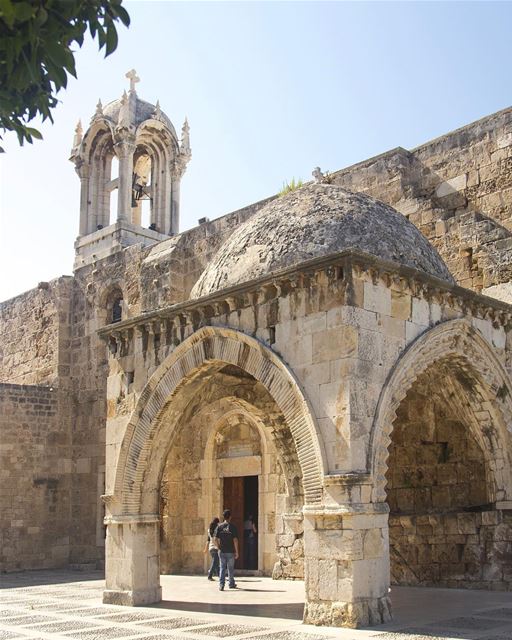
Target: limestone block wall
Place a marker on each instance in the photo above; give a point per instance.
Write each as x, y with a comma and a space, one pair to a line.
34, 330
470, 550
457, 189
35, 478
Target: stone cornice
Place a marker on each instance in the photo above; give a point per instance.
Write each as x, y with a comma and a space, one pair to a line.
339, 268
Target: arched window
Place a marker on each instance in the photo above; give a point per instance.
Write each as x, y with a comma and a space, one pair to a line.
113, 308
117, 310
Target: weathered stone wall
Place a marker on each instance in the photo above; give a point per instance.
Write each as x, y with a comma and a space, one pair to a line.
458, 549
34, 346
35, 478
442, 531
88, 368
435, 463
457, 190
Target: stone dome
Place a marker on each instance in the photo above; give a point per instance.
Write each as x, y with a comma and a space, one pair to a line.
313, 221
143, 111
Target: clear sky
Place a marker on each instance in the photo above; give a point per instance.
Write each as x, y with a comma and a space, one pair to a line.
271, 90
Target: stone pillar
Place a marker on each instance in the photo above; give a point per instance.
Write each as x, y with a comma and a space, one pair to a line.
346, 555
175, 204
124, 151
83, 173
132, 560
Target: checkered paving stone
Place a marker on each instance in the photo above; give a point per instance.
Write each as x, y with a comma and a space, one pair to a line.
292, 635
226, 630
438, 630
434, 631
31, 591
5, 613
160, 637
15, 600
401, 636
136, 616
21, 621
67, 625
90, 611
176, 623
82, 595
7, 635
39, 604
55, 606
88, 585
105, 632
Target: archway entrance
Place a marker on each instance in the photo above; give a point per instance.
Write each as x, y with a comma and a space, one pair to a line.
218, 382
440, 488
232, 449
443, 420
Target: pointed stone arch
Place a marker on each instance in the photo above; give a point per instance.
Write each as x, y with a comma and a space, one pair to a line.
209, 349
460, 344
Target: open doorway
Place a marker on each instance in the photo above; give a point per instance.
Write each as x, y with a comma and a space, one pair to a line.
240, 495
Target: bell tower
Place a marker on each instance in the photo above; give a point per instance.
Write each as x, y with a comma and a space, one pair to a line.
141, 140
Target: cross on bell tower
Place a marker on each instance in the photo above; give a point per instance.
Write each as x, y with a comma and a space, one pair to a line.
133, 78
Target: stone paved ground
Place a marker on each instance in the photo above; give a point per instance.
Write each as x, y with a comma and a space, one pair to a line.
67, 605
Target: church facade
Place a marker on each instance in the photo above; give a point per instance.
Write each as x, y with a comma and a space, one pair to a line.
334, 363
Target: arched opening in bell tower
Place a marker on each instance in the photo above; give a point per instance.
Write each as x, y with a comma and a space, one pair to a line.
113, 189
142, 185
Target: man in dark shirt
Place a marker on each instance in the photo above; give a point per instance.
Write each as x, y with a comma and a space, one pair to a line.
226, 539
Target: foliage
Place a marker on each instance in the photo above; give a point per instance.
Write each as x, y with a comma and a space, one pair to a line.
36, 53
290, 186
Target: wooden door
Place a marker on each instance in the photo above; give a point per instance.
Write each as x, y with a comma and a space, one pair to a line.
233, 499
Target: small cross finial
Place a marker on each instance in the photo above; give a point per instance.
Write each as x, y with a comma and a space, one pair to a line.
133, 78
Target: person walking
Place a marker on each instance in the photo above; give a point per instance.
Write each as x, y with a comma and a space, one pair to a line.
226, 540
212, 549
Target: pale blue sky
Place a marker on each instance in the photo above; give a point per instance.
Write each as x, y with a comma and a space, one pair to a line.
271, 90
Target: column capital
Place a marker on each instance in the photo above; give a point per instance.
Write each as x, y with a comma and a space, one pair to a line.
124, 147
82, 169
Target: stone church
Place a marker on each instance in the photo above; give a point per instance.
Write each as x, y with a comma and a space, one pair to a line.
334, 361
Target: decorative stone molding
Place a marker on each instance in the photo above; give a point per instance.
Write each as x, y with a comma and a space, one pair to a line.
458, 342
131, 519
216, 347
338, 270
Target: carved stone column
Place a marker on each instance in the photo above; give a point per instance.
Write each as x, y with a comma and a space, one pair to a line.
125, 149
175, 203
83, 172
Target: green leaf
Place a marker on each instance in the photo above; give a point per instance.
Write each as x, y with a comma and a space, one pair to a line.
123, 16
34, 133
37, 47
111, 40
23, 11
7, 12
